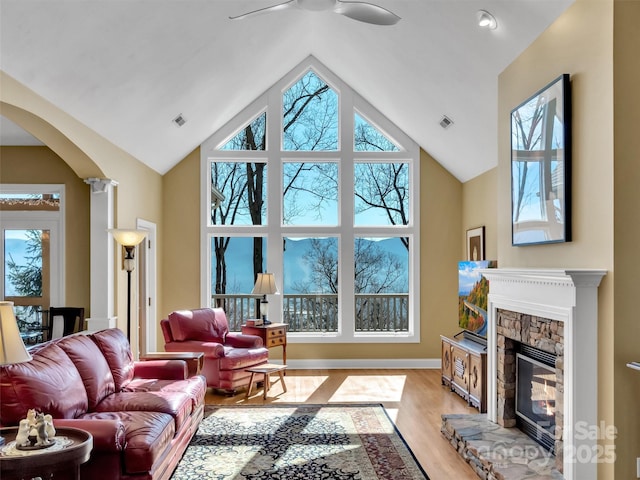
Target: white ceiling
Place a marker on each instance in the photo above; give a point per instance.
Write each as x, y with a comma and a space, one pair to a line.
126, 68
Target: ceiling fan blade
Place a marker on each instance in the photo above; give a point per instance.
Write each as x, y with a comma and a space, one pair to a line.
366, 12
272, 8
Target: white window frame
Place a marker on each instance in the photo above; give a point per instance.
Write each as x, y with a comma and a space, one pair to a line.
349, 103
39, 220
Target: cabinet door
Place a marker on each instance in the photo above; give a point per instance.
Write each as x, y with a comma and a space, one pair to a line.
476, 381
446, 362
460, 370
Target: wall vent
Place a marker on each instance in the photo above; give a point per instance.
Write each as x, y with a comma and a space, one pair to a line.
446, 122
179, 120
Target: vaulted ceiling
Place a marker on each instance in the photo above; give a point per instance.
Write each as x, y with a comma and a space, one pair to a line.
127, 68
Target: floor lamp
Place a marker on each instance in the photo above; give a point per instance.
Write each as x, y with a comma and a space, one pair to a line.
128, 239
12, 349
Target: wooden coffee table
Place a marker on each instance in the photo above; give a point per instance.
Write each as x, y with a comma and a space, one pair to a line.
73, 448
267, 369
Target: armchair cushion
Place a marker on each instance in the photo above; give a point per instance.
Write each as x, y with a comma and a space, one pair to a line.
204, 324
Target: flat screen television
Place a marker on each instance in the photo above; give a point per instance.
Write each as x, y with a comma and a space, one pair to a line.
473, 292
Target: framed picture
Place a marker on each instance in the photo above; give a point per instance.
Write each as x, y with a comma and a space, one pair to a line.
475, 244
541, 166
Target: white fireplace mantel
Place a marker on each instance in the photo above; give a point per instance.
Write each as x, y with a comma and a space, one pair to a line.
569, 296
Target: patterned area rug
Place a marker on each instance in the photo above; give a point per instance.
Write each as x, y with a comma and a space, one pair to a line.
306, 442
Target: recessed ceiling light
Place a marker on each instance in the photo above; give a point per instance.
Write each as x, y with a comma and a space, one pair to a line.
180, 120
486, 20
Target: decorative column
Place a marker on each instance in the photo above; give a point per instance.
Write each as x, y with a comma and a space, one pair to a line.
102, 254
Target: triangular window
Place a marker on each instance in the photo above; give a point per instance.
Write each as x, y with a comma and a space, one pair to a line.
251, 137
368, 138
310, 115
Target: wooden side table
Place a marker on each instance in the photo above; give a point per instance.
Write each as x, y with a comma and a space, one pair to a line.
195, 360
72, 448
267, 369
273, 335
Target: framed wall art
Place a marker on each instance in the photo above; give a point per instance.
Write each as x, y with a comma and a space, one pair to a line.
475, 244
541, 166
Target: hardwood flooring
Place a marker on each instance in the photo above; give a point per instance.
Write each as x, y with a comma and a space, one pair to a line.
415, 400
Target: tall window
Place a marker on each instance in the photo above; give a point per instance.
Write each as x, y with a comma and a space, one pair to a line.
31, 271
310, 182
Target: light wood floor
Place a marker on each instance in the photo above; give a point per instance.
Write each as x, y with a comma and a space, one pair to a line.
414, 399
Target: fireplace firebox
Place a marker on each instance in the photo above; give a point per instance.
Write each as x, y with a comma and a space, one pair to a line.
536, 395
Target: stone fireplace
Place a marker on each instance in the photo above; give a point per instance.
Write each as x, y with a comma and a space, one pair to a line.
529, 377
555, 311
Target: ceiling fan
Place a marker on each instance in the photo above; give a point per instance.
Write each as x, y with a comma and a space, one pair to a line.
361, 11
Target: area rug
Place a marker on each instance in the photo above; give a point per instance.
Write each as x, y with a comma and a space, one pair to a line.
305, 442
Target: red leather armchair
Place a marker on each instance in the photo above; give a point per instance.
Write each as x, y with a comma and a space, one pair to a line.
227, 355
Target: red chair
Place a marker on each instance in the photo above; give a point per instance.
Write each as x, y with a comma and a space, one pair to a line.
227, 355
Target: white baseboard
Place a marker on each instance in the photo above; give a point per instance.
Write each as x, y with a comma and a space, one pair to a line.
359, 363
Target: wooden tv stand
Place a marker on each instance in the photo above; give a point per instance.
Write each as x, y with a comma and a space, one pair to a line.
464, 369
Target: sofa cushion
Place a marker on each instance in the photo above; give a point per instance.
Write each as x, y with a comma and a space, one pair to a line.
194, 387
204, 324
49, 383
147, 437
116, 350
177, 404
92, 366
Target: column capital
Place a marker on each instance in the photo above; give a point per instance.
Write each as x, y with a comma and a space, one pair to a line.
100, 185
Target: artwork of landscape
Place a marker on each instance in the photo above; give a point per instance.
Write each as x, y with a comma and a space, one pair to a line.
473, 291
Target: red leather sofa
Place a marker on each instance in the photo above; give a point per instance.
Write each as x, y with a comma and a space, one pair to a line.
227, 355
142, 415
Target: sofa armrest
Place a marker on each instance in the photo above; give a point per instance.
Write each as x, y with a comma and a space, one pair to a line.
210, 349
239, 340
161, 369
108, 435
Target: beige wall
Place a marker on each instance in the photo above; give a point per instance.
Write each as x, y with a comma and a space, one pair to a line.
41, 165
479, 206
626, 82
440, 233
580, 42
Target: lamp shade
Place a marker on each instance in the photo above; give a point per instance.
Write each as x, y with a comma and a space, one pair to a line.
265, 284
128, 238
12, 349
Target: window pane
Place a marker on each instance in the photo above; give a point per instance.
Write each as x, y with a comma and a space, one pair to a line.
381, 194
310, 302
49, 202
23, 262
368, 138
310, 194
381, 284
238, 193
310, 116
235, 261
251, 137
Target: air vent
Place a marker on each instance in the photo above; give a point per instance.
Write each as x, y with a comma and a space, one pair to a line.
179, 120
446, 122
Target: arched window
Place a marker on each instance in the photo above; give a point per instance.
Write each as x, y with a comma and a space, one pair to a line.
310, 182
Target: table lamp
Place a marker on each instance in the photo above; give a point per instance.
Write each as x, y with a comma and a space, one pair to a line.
265, 285
12, 349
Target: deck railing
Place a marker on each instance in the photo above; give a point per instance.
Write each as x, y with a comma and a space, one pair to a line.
319, 313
